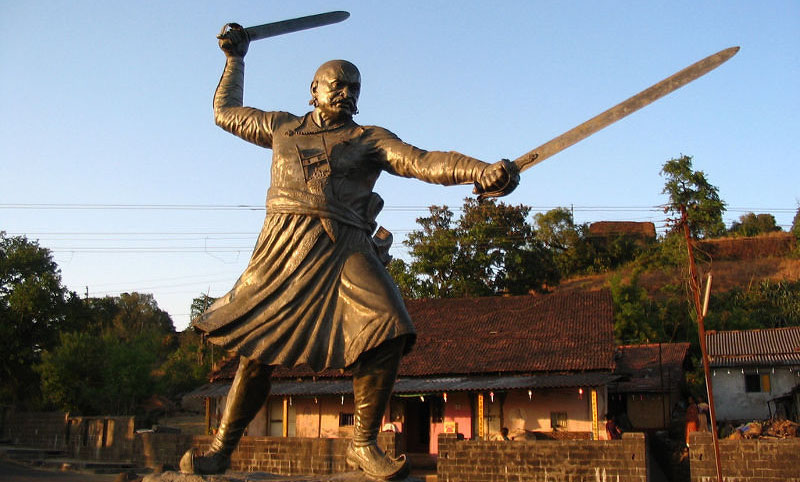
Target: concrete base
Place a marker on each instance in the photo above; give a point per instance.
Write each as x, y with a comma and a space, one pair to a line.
263, 476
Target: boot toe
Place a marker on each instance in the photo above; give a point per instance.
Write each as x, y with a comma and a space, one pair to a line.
214, 463
372, 461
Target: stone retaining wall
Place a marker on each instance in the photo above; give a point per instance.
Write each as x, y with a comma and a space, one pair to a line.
276, 455
542, 460
47, 430
762, 460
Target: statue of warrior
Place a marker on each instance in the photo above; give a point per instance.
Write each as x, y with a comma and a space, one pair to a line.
316, 291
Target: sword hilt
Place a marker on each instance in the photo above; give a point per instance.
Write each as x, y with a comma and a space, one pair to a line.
512, 180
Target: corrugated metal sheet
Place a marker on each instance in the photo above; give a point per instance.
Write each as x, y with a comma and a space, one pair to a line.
423, 385
767, 347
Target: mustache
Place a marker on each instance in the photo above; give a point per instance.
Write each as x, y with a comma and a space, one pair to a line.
345, 101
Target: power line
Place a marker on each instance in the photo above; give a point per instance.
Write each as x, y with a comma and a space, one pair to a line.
254, 207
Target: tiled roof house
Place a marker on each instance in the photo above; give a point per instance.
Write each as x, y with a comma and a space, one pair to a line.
530, 363
751, 369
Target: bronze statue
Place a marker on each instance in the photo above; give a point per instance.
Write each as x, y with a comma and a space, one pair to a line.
315, 291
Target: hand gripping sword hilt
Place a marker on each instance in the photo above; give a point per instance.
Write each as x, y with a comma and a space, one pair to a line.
512, 180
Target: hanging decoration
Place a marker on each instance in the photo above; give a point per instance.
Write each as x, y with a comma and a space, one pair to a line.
491, 396
530, 394
444, 396
580, 393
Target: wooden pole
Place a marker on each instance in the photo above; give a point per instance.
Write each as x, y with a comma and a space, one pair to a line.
701, 311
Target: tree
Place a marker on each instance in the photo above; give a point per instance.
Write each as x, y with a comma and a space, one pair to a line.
33, 309
490, 249
99, 374
767, 304
200, 305
751, 224
796, 224
632, 322
138, 313
408, 283
433, 251
187, 367
72, 373
569, 243
689, 189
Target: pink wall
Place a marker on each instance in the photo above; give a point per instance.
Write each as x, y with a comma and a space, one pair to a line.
457, 409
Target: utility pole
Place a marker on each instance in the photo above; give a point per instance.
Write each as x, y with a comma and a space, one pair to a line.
701, 311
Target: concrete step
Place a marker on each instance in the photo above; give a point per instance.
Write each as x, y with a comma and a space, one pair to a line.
30, 453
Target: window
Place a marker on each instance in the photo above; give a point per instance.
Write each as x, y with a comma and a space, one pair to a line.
558, 420
346, 419
754, 383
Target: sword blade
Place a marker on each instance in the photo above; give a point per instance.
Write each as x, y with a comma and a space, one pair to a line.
624, 108
295, 24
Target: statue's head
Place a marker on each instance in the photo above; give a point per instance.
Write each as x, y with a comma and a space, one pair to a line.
335, 89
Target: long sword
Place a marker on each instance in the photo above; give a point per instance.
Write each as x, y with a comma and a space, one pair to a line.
295, 24
624, 108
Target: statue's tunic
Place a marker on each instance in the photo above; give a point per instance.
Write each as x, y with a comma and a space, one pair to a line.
314, 291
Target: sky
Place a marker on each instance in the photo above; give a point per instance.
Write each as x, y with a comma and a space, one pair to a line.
110, 158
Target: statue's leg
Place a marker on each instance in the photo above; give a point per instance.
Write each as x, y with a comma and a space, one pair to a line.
247, 395
374, 375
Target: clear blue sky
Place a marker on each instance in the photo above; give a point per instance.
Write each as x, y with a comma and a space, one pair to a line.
110, 157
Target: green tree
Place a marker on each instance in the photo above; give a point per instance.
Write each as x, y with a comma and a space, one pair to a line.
689, 189
408, 283
33, 309
433, 250
138, 313
187, 367
98, 374
632, 321
566, 240
751, 224
796, 224
72, 374
767, 304
115, 360
490, 249
200, 305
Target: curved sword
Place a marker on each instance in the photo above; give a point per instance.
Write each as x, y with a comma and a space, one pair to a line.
624, 108
293, 25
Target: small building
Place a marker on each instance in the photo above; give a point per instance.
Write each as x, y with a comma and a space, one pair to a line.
639, 232
537, 365
652, 381
752, 368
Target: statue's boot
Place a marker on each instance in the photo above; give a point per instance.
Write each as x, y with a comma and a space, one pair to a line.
247, 395
374, 375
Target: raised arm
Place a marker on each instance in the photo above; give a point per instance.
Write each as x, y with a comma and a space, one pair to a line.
448, 168
252, 125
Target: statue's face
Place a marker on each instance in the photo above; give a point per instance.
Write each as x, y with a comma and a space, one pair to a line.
336, 87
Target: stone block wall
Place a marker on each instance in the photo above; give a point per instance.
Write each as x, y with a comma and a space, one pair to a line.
36, 429
100, 438
276, 455
762, 460
542, 460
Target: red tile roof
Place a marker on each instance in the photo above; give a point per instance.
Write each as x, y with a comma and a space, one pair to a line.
765, 347
570, 331
650, 367
560, 332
